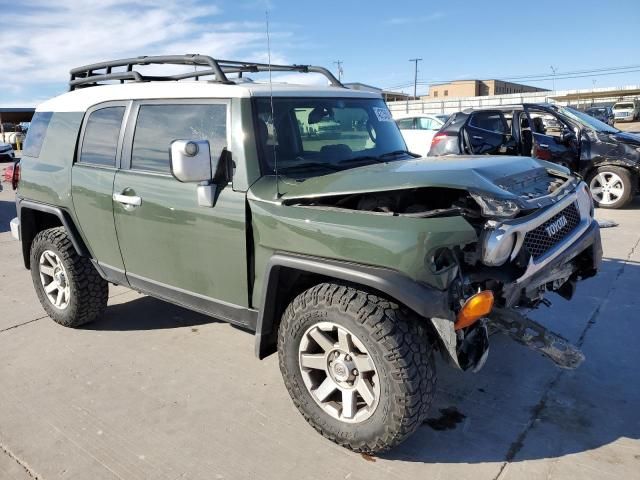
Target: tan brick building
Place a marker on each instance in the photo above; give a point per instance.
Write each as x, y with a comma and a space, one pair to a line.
477, 88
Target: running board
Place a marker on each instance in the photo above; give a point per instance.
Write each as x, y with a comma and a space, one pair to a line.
533, 335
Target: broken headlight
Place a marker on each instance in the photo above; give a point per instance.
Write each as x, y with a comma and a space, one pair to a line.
495, 207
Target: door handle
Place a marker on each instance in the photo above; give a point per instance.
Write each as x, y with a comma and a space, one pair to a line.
130, 200
543, 145
478, 137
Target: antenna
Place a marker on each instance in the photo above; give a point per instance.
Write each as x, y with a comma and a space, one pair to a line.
273, 115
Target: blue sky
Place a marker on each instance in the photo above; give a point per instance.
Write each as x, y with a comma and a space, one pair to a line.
374, 39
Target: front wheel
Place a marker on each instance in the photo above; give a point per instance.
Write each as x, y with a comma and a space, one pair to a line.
611, 187
359, 368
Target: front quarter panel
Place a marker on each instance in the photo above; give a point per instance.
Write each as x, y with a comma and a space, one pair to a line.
397, 243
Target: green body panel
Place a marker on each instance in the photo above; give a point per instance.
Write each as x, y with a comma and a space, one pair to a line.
92, 192
464, 173
171, 240
47, 179
398, 243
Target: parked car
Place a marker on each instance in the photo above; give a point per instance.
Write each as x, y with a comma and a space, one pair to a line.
418, 131
606, 157
627, 111
6, 152
347, 255
604, 114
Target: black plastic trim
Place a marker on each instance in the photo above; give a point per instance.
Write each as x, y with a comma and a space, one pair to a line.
422, 299
235, 314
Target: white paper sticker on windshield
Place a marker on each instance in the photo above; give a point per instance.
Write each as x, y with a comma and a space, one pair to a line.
383, 114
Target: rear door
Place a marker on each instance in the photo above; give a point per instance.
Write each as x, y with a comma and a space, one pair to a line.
92, 178
546, 129
487, 132
173, 248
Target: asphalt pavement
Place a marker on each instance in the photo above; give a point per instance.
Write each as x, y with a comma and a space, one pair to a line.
153, 391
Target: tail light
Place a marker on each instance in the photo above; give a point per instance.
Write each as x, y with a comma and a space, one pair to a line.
438, 138
15, 178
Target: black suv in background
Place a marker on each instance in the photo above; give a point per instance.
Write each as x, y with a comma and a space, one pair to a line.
606, 157
604, 114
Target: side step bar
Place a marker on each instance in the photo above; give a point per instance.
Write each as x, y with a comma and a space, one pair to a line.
533, 335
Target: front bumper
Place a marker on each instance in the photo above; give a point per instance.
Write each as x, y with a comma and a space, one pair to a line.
581, 259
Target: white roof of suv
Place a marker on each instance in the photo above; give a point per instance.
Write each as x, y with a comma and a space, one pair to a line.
81, 99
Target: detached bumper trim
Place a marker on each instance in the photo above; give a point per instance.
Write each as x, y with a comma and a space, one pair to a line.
15, 228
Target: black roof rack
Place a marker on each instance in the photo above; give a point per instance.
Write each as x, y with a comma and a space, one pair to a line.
92, 75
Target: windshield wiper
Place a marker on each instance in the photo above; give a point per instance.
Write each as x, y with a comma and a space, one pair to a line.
306, 165
395, 153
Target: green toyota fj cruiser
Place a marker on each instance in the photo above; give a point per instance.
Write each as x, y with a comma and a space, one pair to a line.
295, 212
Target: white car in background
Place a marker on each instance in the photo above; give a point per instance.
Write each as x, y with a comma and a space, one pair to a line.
626, 111
418, 129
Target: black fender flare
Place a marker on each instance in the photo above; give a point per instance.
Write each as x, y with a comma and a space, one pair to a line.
426, 301
62, 215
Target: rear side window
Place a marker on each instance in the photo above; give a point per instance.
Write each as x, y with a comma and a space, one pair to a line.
101, 136
492, 121
159, 125
35, 135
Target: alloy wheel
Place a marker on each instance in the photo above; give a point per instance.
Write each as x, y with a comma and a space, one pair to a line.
339, 372
606, 188
54, 279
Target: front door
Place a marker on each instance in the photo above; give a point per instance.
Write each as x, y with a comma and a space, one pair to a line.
172, 247
546, 129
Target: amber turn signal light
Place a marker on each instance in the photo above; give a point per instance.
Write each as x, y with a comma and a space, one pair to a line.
475, 307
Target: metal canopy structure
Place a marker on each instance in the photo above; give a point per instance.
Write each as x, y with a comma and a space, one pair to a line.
16, 115
123, 70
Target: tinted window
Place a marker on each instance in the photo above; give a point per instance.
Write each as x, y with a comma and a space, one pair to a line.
101, 136
491, 121
36, 134
405, 124
159, 125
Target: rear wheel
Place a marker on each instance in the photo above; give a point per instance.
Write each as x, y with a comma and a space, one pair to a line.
359, 368
611, 187
68, 286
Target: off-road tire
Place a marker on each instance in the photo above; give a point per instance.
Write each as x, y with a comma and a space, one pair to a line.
399, 347
89, 291
628, 181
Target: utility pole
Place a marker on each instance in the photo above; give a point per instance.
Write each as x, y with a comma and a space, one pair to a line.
554, 70
340, 71
415, 75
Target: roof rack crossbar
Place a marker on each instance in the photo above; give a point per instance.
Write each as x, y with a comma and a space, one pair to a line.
90, 75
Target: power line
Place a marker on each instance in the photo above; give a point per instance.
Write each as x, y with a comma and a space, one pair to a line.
538, 77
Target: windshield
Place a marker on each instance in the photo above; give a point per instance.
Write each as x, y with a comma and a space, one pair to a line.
317, 136
587, 120
623, 106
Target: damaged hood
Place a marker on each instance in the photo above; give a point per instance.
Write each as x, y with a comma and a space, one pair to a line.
502, 177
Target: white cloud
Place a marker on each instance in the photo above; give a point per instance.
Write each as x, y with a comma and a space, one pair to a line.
44, 40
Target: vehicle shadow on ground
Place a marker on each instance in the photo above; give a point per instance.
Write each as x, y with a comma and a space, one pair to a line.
147, 313
7, 212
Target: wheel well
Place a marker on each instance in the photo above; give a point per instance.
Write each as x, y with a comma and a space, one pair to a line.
33, 222
287, 285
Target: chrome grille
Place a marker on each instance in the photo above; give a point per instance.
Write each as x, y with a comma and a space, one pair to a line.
542, 238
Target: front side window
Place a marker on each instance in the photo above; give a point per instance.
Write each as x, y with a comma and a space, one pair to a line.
315, 136
101, 134
426, 124
37, 132
159, 125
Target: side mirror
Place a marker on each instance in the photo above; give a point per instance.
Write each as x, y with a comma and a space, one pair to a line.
191, 161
